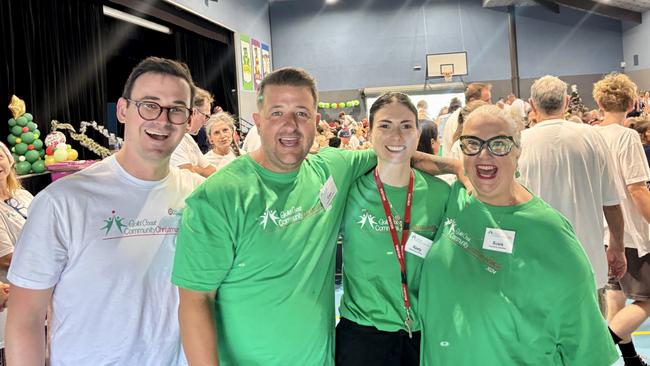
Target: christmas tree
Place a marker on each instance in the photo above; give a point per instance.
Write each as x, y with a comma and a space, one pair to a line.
575, 102
24, 139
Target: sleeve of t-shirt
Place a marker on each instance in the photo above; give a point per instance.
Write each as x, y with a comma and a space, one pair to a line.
634, 164
180, 155
611, 193
6, 244
205, 248
359, 161
42, 250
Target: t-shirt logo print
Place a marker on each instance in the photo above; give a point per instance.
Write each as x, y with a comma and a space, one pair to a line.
452, 225
269, 215
113, 221
367, 218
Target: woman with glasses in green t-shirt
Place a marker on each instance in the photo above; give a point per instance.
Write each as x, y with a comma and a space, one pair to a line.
392, 214
506, 282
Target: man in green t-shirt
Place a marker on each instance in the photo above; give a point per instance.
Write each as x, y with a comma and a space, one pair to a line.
255, 254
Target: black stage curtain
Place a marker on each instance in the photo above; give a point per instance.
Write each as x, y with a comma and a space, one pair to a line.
52, 59
212, 64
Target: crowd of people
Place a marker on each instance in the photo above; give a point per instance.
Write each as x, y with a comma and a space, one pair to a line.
524, 254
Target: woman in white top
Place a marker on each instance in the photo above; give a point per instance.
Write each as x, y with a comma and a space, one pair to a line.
221, 129
13, 212
615, 95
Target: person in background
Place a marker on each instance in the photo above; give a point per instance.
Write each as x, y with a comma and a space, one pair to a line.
506, 281
643, 128
455, 151
376, 328
616, 95
220, 129
423, 110
13, 213
429, 142
87, 247
474, 91
188, 155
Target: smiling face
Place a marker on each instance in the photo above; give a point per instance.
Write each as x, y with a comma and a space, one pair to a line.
286, 124
394, 134
492, 176
220, 136
152, 142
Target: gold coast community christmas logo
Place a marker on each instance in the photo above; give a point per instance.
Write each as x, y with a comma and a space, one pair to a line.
116, 226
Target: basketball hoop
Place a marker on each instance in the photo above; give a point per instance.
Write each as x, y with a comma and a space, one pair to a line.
447, 75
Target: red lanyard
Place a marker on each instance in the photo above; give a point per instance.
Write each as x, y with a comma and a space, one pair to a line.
399, 246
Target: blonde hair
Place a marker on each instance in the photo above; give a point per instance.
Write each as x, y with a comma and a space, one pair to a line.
464, 113
493, 111
13, 184
202, 98
615, 93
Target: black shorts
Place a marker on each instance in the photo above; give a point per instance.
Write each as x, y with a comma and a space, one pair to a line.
636, 281
359, 345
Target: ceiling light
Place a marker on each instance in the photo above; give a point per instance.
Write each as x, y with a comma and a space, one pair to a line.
331, 2
114, 13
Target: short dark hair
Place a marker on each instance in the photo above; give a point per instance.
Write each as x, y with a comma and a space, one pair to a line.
388, 98
428, 132
291, 76
159, 65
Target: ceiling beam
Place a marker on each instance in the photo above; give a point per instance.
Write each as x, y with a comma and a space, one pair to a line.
602, 9
555, 8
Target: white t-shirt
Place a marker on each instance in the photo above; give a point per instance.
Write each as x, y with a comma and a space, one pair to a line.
219, 161
448, 133
568, 166
252, 141
631, 166
105, 241
12, 220
354, 143
188, 152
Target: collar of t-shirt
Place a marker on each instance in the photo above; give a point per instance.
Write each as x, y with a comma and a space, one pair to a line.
276, 177
549, 122
124, 175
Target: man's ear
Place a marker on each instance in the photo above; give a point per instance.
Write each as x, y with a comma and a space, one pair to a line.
122, 105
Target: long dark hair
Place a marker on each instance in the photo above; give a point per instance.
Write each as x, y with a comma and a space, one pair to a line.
392, 97
428, 132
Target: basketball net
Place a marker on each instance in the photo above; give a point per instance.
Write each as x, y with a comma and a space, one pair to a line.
447, 75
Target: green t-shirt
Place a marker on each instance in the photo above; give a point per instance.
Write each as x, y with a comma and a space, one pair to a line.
535, 306
266, 243
372, 289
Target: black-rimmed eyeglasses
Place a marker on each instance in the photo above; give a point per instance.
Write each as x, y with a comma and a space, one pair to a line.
497, 145
20, 209
150, 111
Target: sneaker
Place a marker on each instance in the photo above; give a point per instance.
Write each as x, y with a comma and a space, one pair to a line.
634, 361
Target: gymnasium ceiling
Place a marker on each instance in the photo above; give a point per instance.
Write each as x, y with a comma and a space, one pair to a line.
629, 10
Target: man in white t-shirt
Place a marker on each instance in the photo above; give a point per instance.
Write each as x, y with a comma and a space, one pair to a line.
568, 166
98, 245
188, 155
474, 91
252, 141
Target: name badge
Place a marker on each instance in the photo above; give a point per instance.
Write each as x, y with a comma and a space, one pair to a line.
327, 193
499, 240
418, 245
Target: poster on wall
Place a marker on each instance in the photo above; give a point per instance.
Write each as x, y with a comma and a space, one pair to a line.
257, 62
246, 62
266, 59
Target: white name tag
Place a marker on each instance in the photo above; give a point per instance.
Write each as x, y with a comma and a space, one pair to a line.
418, 245
327, 193
499, 240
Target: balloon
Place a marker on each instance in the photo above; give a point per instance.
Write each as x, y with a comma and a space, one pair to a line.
17, 131
15, 157
38, 166
49, 160
38, 144
61, 146
41, 153
68, 147
60, 155
320, 105
12, 122
11, 139
25, 129
27, 137
21, 121
50, 150
357, 103
73, 154
17, 106
341, 105
21, 158
18, 140
31, 156
30, 147
349, 104
28, 116
32, 126
53, 138
37, 134
21, 148
23, 168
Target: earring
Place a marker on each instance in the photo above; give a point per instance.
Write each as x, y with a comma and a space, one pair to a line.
517, 174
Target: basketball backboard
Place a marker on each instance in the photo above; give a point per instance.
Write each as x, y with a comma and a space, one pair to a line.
440, 63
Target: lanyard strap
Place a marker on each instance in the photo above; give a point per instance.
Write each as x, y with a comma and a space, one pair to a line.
399, 246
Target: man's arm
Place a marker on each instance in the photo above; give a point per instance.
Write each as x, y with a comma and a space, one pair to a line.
25, 332
641, 198
615, 247
205, 172
198, 332
435, 165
